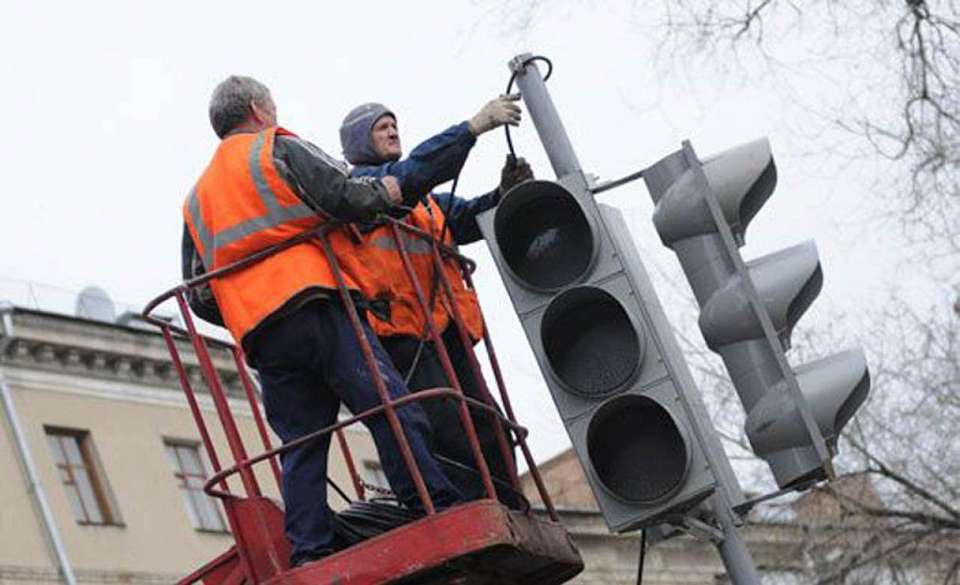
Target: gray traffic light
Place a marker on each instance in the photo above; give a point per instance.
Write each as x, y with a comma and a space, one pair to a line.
607, 352
749, 309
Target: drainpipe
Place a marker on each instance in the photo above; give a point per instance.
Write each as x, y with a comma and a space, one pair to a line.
34, 486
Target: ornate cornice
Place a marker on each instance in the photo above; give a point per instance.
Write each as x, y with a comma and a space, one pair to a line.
89, 349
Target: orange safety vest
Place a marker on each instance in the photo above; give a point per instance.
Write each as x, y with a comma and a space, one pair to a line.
406, 315
242, 205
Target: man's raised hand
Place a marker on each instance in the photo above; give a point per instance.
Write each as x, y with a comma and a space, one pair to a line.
496, 113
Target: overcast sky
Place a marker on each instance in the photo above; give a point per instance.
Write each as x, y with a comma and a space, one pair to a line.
106, 104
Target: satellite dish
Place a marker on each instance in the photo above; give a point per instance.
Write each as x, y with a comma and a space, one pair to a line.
94, 303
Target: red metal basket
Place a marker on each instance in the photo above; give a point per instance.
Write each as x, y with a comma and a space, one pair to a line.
469, 543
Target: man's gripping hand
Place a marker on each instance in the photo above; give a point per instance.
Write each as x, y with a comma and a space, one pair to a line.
392, 186
396, 209
515, 171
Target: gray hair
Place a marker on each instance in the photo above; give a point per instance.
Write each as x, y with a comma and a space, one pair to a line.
230, 102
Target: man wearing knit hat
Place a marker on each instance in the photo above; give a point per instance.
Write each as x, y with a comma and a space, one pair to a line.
371, 142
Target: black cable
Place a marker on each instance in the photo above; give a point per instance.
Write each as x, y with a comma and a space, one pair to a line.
643, 553
453, 191
339, 491
446, 212
513, 77
446, 216
413, 364
364, 520
494, 478
434, 283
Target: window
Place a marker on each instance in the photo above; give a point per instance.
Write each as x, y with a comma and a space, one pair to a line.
189, 471
85, 486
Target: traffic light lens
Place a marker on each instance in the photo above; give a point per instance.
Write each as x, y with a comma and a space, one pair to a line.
543, 235
590, 342
637, 450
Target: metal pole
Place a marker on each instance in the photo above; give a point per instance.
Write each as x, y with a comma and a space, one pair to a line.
733, 549
23, 449
560, 151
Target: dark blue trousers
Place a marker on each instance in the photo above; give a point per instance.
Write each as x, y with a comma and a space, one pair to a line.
308, 363
449, 436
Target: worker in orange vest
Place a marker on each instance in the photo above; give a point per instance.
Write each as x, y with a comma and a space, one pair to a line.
371, 141
263, 186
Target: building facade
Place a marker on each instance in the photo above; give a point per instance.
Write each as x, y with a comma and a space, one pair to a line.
103, 463
104, 470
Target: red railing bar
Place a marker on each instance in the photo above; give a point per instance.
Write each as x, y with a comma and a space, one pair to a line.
207, 443
220, 401
240, 540
234, 440
348, 458
261, 255
508, 407
265, 253
428, 394
476, 371
441, 350
251, 393
192, 402
445, 250
194, 577
244, 463
381, 388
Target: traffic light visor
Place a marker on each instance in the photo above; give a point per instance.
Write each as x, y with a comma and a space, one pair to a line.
544, 235
591, 344
637, 450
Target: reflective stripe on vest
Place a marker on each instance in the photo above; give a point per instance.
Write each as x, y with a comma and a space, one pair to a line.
200, 227
407, 316
276, 214
413, 243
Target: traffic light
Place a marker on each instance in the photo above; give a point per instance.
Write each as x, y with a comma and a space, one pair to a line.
749, 309
607, 352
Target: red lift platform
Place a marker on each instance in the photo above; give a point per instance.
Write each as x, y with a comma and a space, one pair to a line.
471, 544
